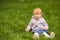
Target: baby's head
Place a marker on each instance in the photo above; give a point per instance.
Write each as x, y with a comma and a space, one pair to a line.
37, 13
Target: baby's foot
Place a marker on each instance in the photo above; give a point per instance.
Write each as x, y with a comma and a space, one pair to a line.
52, 35
35, 36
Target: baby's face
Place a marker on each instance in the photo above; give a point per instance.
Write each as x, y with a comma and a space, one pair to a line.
37, 13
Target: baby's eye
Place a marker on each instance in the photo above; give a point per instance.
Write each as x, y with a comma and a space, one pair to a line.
35, 13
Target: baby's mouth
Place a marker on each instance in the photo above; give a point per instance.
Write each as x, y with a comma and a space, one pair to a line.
37, 18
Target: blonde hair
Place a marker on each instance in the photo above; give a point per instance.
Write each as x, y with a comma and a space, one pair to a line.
37, 10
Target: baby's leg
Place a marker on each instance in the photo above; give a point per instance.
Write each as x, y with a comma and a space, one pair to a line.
45, 34
52, 35
36, 35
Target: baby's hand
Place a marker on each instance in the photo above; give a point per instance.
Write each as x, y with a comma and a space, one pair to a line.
45, 28
27, 30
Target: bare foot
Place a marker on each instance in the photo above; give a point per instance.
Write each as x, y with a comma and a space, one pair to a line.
52, 35
35, 36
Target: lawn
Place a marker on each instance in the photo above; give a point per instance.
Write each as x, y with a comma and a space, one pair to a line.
16, 14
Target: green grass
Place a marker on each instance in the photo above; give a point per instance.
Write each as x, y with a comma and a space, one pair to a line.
16, 14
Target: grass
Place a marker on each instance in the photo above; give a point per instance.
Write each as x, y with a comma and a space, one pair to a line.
16, 14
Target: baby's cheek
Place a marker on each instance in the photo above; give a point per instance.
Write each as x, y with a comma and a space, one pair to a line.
39, 15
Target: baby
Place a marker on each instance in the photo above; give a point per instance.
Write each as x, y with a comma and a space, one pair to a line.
38, 25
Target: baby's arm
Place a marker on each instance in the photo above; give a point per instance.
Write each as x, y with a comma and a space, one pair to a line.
45, 24
29, 26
